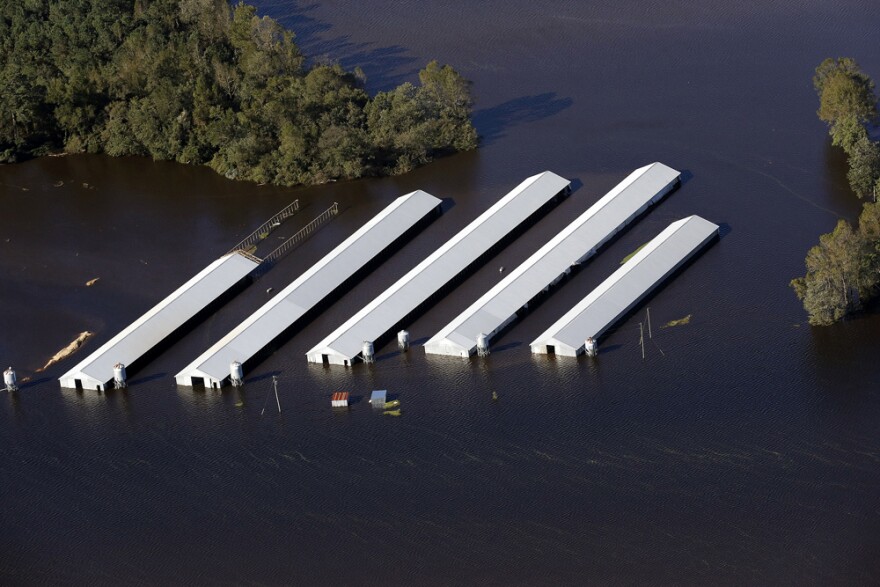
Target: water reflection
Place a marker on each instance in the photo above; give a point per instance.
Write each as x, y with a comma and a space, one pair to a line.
492, 123
96, 409
666, 470
836, 190
846, 346
200, 401
385, 67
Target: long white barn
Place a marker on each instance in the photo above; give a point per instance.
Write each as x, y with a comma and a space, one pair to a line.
163, 320
292, 303
459, 253
626, 287
576, 243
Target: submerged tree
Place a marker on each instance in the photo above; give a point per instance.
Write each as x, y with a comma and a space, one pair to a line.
844, 91
831, 287
203, 82
847, 103
843, 270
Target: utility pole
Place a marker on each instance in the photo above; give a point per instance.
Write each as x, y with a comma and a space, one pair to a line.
649, 323
275, 385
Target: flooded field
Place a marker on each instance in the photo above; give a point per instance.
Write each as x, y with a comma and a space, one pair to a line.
742, 450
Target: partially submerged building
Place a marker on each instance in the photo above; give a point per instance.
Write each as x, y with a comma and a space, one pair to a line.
298, 302
626, 287
429, 278
576, 243
136, 343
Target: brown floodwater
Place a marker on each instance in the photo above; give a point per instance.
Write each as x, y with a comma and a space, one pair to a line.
742, 450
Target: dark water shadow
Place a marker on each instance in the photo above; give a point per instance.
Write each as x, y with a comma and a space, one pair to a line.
492, 123
836, 185
507, 347
354, 400
654, 293
147, 378
263, 377
384, 67
686, 176
387, 356
724, 229
25, 385
610, 348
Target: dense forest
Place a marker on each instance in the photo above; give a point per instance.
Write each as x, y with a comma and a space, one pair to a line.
843, 270
204, 82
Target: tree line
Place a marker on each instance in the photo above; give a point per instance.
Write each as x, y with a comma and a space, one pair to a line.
843, 270
204, 82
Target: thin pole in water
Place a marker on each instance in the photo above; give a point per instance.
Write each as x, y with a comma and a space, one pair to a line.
642, 339
275, 384
649, 324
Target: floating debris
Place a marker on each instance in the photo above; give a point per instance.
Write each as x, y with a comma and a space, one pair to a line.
68, 350
494, 396
679, 322
58, 184
378, 397
239, 404
633, 254
391, 413
92, 282
392, 404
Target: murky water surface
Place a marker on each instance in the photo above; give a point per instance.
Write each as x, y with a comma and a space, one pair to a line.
743, 449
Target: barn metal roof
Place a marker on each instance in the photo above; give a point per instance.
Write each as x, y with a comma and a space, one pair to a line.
574, 244
161, 321
627, 286
324, 277
458, 253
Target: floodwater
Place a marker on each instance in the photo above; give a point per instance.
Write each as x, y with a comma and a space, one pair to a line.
743, 450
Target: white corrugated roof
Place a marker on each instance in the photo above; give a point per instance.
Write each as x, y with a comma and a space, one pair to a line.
574, 244
325, 276
627, 286
456, 255
162, 320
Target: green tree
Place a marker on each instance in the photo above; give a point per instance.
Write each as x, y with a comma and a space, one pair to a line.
864, 166
844, 91
869, 229
448, 93
830, 67
200, 81
20, 104
843, 270
833, 283
846, 132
